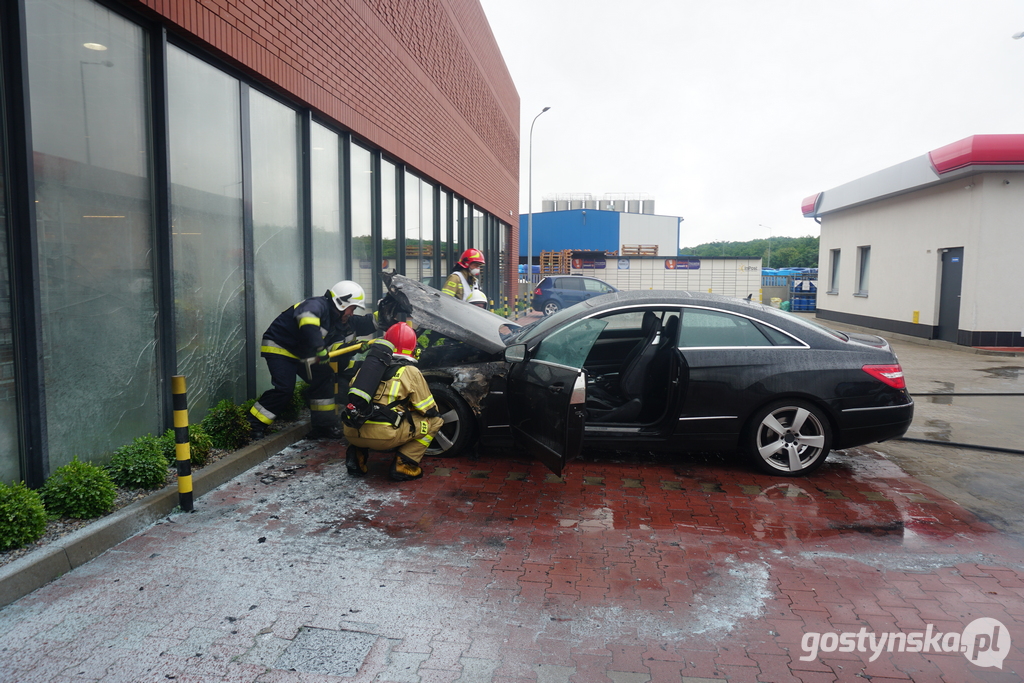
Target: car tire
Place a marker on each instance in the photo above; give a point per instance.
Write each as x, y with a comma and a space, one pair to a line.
789, 438
551, 307
458, 431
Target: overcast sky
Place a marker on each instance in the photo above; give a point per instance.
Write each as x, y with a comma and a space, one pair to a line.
730, 112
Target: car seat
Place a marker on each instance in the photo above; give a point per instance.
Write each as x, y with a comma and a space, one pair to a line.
659, 372
633, 377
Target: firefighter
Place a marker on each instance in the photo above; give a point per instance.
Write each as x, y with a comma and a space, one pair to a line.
465, 276
391, 407
296, 344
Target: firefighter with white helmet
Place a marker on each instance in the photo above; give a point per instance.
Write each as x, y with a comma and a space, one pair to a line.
296, 344
390, 407
465, 276
477, 298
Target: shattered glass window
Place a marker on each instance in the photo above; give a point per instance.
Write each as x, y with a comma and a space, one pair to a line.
88, 84
277, 238
206, 226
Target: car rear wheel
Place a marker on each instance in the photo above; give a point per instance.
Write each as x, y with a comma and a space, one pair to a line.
456, 434
551, 307
788, 438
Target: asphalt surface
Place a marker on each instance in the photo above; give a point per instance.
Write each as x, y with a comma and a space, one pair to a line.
631, 568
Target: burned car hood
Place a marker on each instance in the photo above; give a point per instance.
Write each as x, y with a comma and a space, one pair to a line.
429, 309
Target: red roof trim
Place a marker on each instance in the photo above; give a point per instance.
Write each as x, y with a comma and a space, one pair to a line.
810, 205
978, 150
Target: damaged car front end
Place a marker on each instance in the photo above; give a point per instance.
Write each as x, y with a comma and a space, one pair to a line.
463, 364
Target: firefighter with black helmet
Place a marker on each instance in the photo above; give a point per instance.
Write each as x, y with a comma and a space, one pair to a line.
465, 276
390, 407
295, 345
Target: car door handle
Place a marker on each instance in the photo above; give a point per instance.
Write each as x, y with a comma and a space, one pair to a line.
556, 388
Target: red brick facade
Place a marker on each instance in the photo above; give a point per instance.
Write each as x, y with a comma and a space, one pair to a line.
421, 79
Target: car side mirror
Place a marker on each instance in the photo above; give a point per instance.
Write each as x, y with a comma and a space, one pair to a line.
515, 353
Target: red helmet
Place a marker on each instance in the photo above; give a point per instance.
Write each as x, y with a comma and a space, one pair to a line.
403, 338
472, 256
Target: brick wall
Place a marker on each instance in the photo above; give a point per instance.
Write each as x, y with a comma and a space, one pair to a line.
421, 79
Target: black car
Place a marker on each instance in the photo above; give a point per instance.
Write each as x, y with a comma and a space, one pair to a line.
556, 292
658, 370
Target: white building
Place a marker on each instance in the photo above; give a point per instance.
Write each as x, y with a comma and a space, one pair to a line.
931, 247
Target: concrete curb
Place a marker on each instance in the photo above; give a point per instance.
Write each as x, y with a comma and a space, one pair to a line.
38, 568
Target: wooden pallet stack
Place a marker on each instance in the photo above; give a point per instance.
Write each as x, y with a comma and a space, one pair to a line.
555, 262
639, 249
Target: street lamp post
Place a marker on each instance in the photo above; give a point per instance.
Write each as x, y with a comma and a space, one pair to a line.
529, 207
769, 243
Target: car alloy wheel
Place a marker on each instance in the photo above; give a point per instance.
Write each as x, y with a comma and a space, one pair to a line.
789, 438
551, 307
456, 434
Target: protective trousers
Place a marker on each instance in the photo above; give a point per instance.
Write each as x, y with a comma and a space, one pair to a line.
411, 438
283, 373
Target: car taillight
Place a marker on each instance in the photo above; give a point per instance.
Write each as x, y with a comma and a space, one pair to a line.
536, 292
889, 374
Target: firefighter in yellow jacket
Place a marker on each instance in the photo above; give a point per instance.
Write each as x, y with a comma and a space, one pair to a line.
390, 407
465, 276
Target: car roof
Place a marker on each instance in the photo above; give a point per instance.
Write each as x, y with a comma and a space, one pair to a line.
803, 329
429, 309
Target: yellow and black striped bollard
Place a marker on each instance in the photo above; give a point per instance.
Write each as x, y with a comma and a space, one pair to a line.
182, 449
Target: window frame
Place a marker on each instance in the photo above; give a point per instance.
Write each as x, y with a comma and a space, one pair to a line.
863, 271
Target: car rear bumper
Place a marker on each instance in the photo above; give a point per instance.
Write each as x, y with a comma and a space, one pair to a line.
860, 426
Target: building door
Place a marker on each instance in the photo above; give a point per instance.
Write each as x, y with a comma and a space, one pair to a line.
949, 293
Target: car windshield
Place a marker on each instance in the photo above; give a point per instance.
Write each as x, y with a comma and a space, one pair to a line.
528, 332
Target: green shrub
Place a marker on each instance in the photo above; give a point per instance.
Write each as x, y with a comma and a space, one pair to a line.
199, 446
227, 425
79, 489
140, 464
22, 516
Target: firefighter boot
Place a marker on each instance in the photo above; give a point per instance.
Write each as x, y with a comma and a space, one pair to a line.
257, 430
355, 460
405, 468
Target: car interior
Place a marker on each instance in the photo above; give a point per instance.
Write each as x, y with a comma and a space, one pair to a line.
630, 367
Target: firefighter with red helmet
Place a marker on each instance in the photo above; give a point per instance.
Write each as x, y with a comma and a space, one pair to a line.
390, 407
465, 276
295, 344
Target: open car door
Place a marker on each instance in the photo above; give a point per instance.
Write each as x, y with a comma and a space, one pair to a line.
547, 393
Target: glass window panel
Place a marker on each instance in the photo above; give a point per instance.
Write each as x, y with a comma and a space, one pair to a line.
864, 273
362, 224
413, 227
92, 191
446, 236
571, 345
426, 229
703, 328
506, 296
328, 241
834, 286
388, 215
10, 461
206, 215
277, 238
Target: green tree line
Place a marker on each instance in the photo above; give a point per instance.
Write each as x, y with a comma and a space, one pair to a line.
786, 252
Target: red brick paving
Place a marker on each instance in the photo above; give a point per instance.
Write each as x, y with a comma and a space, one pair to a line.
623, 571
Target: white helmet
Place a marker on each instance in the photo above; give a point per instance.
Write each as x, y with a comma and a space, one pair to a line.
347, 293
477, 297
